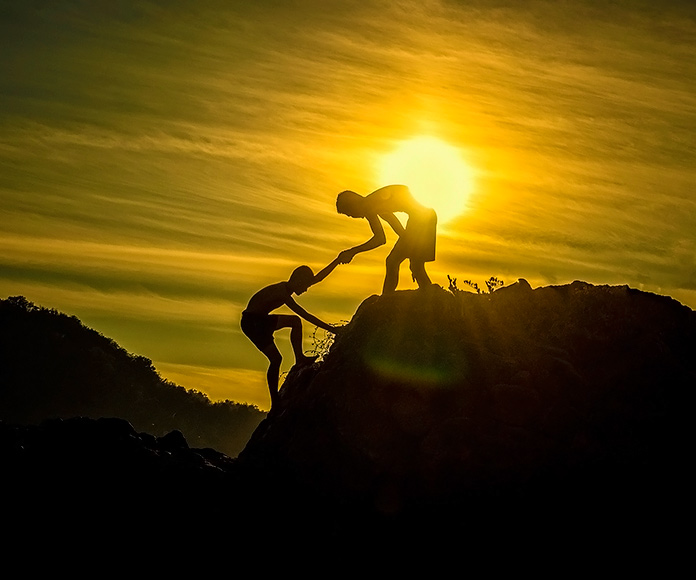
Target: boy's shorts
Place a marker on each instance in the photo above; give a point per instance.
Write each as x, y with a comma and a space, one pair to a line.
418, 239
259, 328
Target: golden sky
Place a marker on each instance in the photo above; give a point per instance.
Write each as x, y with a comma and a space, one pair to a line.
160, 161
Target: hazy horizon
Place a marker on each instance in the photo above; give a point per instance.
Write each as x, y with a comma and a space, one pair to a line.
162, 161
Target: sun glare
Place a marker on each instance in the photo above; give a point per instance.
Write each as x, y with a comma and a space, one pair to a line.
434, 171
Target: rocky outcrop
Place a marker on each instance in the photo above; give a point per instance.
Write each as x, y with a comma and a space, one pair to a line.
564, 402
561, 397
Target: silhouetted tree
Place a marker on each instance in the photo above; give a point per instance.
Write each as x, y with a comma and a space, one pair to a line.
51, 365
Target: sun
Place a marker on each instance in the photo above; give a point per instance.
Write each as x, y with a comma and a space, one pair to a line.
434, 171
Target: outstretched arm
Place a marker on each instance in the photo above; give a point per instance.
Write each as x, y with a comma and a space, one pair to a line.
297, 309
378, 238
324, 272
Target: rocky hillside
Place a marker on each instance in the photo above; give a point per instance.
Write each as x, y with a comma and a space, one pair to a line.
565, 398
438, 409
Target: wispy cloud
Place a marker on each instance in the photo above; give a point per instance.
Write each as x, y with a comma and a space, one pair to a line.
160, 161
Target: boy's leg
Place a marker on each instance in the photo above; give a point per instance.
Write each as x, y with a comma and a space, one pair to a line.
295, 324
272, 375
419, 273
394, 259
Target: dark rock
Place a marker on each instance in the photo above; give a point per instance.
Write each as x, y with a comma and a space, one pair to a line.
533, 397
173, 441
492, 414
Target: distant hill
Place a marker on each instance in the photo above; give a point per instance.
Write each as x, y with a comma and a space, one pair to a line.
550, 415
52, 366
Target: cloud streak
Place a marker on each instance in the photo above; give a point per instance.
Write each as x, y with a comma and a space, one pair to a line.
161, 161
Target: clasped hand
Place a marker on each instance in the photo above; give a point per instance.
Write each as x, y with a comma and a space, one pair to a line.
346, 256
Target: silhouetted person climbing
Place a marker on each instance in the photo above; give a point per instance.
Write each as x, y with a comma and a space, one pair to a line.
416, 241
258, 324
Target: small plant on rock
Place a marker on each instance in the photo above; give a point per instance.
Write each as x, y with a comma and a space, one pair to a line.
321, 343
492, 284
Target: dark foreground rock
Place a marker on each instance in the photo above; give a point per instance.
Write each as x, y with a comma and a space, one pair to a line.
435, 415
564, 402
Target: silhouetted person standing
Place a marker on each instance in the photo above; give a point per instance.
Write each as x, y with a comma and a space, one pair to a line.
416, 241
258, 324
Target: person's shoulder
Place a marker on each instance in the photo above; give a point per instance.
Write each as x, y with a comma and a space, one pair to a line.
389, 192
281, 287
393, 188
273, 290
269, 287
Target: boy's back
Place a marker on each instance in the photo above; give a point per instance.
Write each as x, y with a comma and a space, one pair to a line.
269, 298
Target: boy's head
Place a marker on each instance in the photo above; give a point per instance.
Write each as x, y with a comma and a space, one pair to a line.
301, 279
350, 203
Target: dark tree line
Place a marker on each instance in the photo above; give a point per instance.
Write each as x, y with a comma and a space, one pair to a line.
51, 365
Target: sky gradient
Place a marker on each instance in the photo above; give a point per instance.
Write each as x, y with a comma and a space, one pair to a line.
160, 161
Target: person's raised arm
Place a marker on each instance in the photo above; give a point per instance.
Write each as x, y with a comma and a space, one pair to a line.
378, 239
324, 272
